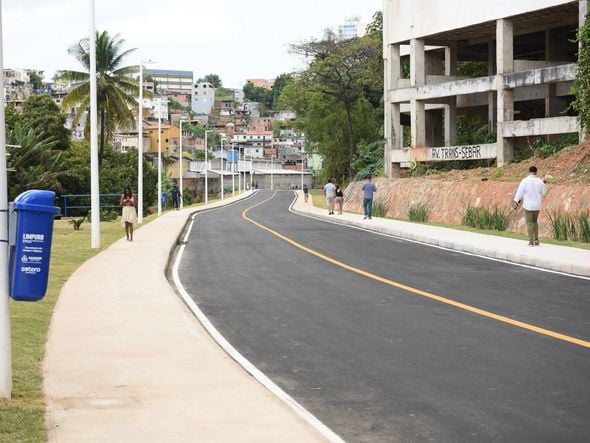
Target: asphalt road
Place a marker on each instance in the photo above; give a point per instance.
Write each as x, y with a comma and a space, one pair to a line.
377, 362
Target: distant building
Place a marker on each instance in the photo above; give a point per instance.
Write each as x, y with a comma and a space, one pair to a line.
253, 143
351, 28
169, 81
261, 83
203, 98
528, 54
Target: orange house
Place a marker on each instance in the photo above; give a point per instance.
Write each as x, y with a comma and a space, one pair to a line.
169, 137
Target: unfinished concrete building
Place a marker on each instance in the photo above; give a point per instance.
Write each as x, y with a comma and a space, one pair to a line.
525, 58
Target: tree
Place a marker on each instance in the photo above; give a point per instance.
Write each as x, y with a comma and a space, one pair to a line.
116, 90
259, 95
214, 79
33, 162
344, 73
43, 116
277, 87
581, 88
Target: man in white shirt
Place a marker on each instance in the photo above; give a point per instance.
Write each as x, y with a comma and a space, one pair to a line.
330, 192
531, 192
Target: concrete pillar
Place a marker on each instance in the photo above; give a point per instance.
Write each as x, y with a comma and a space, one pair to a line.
505, 65
450, 116
417, 78
451, 59
397, 138
418, 123
395, 69
392, 67
492, 105
417, 67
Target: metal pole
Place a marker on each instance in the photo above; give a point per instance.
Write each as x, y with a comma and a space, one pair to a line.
159, 157
94, 185
140, 148
233, 170
251, 169
239, 175
221, 167
206, 168
272, 165
5, 347
180, 168
302, 169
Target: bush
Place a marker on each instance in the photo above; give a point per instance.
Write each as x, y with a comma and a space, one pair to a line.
105, 215
485, 218
570, 227
187, 197
418, 212
379, 209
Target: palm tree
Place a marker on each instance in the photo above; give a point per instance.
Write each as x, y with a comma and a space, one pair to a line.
116, 90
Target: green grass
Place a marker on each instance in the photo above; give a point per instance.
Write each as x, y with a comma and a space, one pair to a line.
22, 417
574, 227
485, 218
318, 198
418, 212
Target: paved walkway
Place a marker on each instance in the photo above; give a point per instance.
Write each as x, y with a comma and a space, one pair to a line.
126, 360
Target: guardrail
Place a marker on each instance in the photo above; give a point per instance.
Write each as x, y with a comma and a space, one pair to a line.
65, 200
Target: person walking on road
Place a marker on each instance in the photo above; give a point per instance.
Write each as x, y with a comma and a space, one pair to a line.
129, 216
531, 192
305, 192
339, 198
330, 193
368, 189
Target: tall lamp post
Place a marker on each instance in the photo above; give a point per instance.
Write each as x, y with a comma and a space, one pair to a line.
180, 168
272, 165
221, 166
233, 162
159, 156
140, 145
94, 185
302, 164
5, 346
206, 167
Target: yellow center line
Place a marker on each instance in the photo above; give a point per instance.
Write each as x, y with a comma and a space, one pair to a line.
416, 291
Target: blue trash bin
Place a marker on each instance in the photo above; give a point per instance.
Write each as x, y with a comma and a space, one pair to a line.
29, 268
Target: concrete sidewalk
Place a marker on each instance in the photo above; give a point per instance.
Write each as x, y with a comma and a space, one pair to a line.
126, 361
556, 258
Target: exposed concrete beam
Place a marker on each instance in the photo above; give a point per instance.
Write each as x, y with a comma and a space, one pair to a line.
418, 123
533, 77
540, 126
504, 46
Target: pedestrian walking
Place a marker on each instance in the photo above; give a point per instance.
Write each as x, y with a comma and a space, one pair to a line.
129, 215
305, 192
176, 196
368, 189
330, 193
530, 192
339, 200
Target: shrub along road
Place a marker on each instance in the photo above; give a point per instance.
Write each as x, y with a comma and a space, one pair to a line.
347, 327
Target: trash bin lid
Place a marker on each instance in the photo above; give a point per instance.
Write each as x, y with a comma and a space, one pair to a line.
36, 200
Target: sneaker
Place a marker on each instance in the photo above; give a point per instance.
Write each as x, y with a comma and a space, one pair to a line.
365, 217
370, 218
536, 242
531, 243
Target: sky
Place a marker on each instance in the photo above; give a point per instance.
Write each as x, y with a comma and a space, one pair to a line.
235, 39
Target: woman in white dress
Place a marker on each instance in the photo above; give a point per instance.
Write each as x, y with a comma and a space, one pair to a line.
129, 217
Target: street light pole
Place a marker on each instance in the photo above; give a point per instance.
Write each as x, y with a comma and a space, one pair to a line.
221, 168
5, 346
233, 168
140, 145
239, 174
94, 185
159, 156
272, 158
180, 169
302, 164
206, 168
